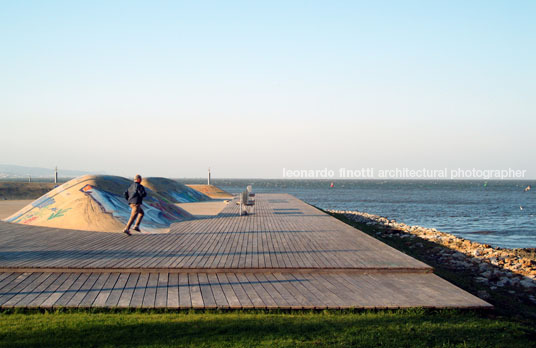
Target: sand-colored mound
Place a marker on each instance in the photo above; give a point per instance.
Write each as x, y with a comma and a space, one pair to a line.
212, 191
174, 191
96, 203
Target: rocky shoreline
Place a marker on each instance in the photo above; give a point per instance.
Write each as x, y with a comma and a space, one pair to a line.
497, 268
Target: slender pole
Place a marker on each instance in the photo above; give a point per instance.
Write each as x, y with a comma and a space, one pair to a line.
56, 175
208, 181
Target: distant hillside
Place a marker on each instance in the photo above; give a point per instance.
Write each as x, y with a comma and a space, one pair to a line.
24, 190
8, 171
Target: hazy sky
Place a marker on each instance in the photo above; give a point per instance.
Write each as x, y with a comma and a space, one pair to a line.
249, 88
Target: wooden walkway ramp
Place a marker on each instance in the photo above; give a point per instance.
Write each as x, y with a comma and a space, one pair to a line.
287, 254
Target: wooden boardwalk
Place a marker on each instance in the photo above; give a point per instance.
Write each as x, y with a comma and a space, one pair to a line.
287, 254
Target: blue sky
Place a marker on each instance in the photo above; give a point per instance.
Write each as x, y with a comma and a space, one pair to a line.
249, 88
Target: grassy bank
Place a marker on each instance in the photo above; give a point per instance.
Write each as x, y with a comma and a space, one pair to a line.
407, 328
24, 190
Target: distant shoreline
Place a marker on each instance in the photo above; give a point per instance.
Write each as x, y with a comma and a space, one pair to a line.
462, 208
334, 180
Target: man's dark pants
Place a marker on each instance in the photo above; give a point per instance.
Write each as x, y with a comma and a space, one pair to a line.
136, 211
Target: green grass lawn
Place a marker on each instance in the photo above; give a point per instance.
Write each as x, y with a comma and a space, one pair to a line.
384, 328
404, 328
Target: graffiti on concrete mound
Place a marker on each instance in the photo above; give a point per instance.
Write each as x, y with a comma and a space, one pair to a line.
57, 213
157, 214
96, 203
43, 202
184, 197
43, 209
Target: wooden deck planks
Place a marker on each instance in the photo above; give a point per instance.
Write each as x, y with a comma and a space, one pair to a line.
106, 291
60, 291
115, 294
161, 297
172, 300
283, 232
138, 295
236, 290
286, 254
126, 295
185, 298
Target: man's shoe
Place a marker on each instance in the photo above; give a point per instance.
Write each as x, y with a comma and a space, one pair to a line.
137, 229
127, 232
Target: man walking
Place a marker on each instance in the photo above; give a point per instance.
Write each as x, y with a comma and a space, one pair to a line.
134, 195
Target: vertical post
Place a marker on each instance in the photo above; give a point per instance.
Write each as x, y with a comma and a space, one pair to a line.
208, 181
56, 175
29, 178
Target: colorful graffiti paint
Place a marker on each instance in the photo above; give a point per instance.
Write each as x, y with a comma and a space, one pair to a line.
43, 201
96, 203
183, 197
42, 209
158, 214
58, 213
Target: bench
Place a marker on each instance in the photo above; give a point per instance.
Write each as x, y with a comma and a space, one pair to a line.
246, 200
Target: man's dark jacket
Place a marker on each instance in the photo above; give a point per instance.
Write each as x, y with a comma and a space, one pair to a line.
135, 193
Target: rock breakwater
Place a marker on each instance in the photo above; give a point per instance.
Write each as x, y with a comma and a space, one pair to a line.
494, 267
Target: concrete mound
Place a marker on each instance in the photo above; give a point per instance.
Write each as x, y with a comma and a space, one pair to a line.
174, 191
212, 191
96, 203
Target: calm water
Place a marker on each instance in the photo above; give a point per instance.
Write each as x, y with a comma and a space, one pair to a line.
470, 209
